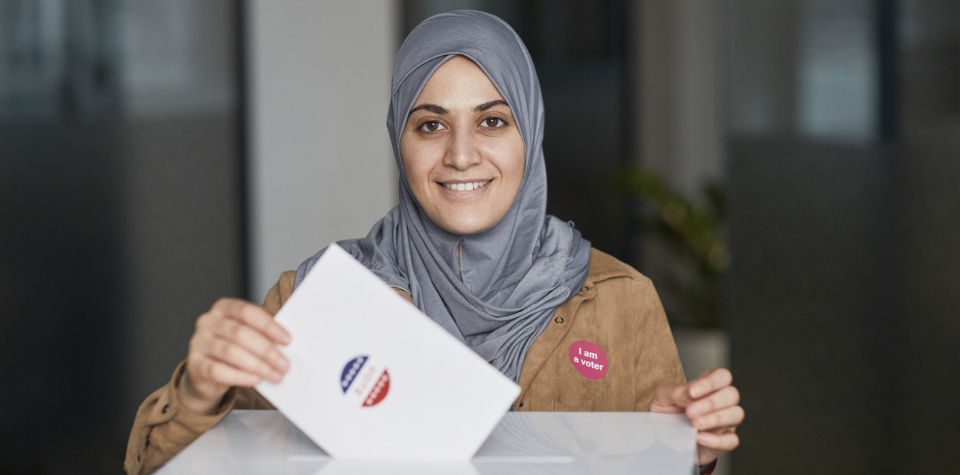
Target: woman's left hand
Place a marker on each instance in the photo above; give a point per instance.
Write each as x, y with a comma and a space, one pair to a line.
713, 406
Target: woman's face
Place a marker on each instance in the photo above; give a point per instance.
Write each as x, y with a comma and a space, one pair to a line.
462, 150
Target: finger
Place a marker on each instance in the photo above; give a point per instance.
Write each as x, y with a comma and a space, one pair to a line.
710, 381
722, 399
724, 418
681, 395
212, 342
232, 354
224, 374
207, 321
670, 398
726, 441
253, 341
254, 316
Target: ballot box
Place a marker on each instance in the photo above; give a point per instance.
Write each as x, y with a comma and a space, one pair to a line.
265, 442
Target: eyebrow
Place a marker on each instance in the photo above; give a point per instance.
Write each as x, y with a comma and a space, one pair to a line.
429, 107
487, 105
440, 110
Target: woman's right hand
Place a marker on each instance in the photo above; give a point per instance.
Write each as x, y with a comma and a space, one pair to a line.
234, 344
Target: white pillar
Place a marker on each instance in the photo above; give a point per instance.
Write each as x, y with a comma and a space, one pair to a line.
678, 90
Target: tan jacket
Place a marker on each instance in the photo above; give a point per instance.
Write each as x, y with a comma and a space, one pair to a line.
617, 309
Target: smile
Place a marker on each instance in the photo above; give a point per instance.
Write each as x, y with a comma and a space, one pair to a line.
466, 186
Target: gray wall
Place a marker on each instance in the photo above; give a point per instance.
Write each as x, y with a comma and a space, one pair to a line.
321, 168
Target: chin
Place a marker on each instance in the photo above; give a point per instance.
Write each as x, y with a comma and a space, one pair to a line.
465, 227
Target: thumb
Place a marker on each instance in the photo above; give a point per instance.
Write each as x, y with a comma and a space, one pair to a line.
671, 398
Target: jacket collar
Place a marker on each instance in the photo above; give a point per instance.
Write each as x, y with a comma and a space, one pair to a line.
603, 267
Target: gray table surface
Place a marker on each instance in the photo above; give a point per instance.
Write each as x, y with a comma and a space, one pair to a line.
265, 442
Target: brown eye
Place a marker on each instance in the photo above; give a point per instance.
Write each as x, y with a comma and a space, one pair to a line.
431, 126
493, 122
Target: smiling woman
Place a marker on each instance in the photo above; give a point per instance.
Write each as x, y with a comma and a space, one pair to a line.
471, 245
461, 150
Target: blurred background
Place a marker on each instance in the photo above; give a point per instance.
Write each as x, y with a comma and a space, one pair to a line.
786, 171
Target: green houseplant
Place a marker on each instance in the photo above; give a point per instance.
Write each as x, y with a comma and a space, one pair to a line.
691, 230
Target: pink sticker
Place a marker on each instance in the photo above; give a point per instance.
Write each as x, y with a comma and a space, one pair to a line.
589, 359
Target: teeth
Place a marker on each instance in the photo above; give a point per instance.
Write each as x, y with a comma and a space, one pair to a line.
466, 186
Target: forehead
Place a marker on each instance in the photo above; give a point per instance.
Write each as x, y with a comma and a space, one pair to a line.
459, 81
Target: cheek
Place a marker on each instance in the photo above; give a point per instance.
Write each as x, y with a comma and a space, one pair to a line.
517, 164
413, 167
520, 165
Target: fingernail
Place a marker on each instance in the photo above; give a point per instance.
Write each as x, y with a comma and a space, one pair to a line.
700, 423
275, 376
695, 392
695, 410
283, 364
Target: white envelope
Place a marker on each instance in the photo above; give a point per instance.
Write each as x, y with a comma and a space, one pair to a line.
371, 377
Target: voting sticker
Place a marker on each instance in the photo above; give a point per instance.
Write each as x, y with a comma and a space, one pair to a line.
365, 382
589, 359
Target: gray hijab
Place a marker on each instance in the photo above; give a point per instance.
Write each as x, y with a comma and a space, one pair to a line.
505, 287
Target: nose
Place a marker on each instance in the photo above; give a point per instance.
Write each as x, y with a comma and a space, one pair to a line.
462, 152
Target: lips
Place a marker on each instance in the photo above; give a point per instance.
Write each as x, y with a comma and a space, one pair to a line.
466, 186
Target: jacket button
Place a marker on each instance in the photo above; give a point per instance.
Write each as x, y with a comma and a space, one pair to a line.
558, 319
166, 408
521, 403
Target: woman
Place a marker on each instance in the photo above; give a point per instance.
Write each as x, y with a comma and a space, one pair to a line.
471, 245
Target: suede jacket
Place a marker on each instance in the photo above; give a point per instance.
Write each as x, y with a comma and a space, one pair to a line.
617, 310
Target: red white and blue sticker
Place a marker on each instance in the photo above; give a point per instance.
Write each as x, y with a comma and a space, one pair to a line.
589, 360
364, 382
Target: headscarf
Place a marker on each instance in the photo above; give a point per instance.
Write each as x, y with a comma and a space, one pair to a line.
509, 280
